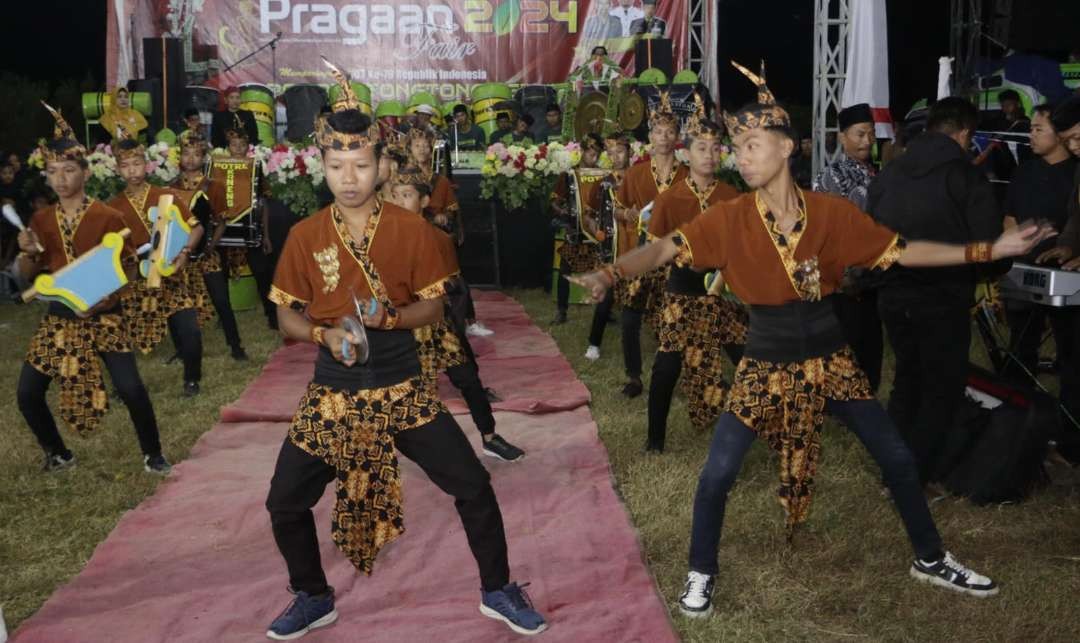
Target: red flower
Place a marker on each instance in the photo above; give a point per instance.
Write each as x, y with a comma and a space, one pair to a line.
281, 147
300, 165
542, 152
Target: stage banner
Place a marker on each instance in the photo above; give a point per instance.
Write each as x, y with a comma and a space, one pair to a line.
398, 48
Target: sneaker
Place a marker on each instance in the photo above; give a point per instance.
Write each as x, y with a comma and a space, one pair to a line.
950, 574
492, 396
156, 464
191, 389
512, 606
304, 613
59, 461
477, 329
653, 447
499, 448
696, 599
560, 318
632, 388
592, 353
238, 354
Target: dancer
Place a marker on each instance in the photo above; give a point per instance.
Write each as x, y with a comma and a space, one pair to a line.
71, 347
444, 346
639, 188
781, 250
577, 253
617, 148
694, 326
210, 194
353, 416
174, 307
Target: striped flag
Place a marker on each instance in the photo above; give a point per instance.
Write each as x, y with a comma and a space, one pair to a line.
868, 63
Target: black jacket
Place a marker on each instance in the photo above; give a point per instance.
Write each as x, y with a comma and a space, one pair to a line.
933, 193
224, 119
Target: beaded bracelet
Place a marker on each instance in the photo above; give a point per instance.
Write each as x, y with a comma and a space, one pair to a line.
978, 252
390, 318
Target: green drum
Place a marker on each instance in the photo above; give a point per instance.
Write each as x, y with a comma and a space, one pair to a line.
390, 108
362, 91
259, 100
484, 99
94, 104
243, 293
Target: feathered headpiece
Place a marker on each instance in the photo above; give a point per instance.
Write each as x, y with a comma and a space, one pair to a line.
126, 146
699, 127
325, 135
64, 146
767, 114
663, 114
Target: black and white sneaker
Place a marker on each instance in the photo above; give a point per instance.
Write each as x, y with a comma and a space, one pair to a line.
696, 599
156, 464
950, 574
499, 448
58, 461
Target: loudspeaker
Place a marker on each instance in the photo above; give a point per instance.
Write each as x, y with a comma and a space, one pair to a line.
302, 105
654, 53
478, 256
163, 60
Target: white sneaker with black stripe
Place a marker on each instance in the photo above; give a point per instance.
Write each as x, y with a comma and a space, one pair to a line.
950, 574
696, 599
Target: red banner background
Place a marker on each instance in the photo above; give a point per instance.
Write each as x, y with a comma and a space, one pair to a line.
397, 47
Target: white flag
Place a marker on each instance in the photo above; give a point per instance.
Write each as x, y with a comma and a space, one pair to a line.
944, 75
868, 63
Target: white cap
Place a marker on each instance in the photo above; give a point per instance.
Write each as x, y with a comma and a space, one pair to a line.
424, 108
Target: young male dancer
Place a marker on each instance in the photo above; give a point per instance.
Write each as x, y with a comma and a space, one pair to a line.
174, 307
782, 251
694, 327
639, 188
209, 194
445, 346
354, 415
70, 347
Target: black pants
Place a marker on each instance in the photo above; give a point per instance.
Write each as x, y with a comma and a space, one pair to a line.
466, 378
441, 450
631, 341
666, 368
124, 372
861, 324
187, 339
931, 343
1026, 323
869, 422
601, 314
262, 268
218, 288
562, 288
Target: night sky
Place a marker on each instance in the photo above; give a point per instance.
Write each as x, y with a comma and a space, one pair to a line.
781, 31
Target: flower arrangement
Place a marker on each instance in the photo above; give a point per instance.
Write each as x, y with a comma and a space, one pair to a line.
162, 164
516, 173
295, 175
104, 182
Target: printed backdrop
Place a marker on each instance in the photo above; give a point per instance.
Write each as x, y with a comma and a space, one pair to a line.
398, 47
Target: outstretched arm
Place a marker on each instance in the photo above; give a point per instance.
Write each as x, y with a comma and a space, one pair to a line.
632, 264
1014, 242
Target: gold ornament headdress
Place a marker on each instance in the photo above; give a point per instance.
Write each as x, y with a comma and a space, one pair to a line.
326, 136
663, 113
614, 138
697, 126
414, 177
64, 146
192, 138
122, 152
236, 129
768, 114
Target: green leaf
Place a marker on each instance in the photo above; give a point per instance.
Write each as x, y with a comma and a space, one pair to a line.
506, 17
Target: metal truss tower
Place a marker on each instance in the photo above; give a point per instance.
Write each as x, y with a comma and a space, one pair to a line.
698, 48
831, 20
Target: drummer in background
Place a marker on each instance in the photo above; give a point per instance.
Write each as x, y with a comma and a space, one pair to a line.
467, 135
223, 120
193, 127
523, 130
504, 129
551, 130
422, 120
119, 113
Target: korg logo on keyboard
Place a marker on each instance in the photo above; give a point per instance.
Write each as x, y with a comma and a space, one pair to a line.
1035, 279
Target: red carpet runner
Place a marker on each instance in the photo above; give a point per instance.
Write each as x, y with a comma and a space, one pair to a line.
196, 561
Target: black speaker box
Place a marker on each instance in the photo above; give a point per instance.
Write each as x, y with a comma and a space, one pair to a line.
302, 105
163, 60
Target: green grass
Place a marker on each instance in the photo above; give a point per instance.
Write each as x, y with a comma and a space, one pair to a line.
845, 577
51, 523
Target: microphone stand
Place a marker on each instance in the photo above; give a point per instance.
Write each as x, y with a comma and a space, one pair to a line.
273, 52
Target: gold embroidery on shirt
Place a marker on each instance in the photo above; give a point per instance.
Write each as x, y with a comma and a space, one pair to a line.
330, 267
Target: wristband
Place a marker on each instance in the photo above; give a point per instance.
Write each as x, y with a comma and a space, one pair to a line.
609, 271
978, 252
317, 333
390, 318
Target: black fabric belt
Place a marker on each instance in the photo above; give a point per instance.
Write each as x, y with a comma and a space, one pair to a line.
392, 360
793, 332
56, 309
685, 281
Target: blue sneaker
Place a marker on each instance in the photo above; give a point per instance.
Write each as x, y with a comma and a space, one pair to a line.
304, 613
512, 606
